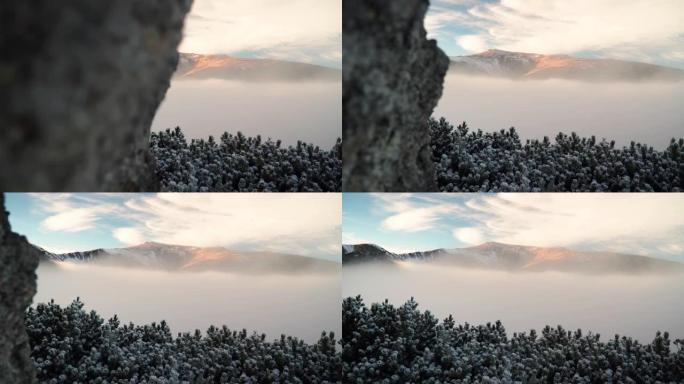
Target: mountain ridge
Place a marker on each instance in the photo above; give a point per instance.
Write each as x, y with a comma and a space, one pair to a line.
516, 258
200, 66
168, 257
535, 66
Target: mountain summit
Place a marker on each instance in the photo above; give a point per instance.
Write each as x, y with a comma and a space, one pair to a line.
196, 66
516, 258
518, 65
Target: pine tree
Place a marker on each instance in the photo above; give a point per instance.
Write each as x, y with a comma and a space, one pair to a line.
240, 163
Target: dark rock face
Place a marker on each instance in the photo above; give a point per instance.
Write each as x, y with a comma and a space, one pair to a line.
81, 81
392, 80
360, 253
18, 263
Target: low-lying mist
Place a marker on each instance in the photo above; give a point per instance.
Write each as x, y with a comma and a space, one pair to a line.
645, 112
635, 306
289, 111
298, 305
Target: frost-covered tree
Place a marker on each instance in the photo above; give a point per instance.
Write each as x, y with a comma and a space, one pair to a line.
244, 164
70, 345
473, 161
388, 344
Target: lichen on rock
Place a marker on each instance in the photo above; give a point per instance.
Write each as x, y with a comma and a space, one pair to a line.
392, 80
18, 263
81, 81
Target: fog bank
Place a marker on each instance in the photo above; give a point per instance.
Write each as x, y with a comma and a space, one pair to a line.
301, 306
289, 111
635, 306
644, 112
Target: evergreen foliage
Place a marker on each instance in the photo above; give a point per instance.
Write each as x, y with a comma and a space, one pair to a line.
70, 345
387, 344
473, 161
243, 164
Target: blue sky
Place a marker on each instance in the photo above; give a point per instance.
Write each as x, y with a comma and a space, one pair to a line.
647, 224
364, 213
638, 30
297, 30
27, 213
303, 224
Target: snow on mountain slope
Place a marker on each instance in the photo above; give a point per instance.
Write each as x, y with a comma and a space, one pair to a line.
517, 258
76, 257
374, 253
495, 63
185, 258
195, 66
518, 65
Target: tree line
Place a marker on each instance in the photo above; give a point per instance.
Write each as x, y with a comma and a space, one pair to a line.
474, 161
387, 344
70, 345
243, 164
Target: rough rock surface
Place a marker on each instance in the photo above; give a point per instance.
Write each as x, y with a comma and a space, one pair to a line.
81, 81
18, 263
392, 80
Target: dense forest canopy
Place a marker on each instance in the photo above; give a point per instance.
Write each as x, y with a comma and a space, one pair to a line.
70, 345
473, 161
243, 164
387, 344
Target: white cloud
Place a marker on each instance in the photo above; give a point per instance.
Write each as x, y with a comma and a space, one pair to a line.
128, 235
64, 215
636, 29
440, 17
282, 222
298, 30
53, 202
394, 202
448, 14
413, 220
71, 221
296, 223
472, 43
650, 224
407, 215
469, 235
619, 222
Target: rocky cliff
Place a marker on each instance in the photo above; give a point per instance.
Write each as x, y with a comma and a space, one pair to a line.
81, 81
18, 262
392, 80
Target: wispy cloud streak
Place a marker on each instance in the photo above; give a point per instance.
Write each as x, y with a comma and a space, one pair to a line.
298, 30
639, 30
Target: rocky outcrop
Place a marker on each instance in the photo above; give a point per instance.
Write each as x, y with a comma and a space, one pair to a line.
392, 80
18, 263
81, 81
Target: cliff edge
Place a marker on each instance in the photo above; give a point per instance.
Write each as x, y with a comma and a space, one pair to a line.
81, 81
392, 80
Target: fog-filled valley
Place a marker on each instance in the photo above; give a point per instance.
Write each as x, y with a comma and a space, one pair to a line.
301, 305
645, 112
629, 305
214, 295
285, 110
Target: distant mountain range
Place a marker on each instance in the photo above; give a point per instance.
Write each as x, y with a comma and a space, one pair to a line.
196, 66
184, 258
517, 65
516, 258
